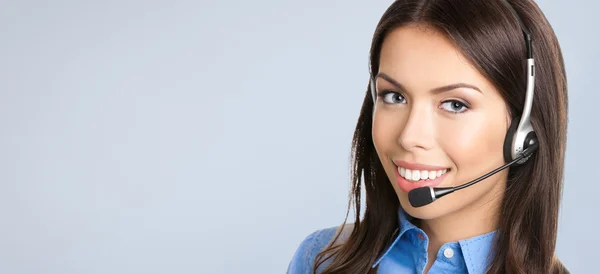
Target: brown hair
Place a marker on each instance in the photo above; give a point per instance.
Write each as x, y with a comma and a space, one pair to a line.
489, 36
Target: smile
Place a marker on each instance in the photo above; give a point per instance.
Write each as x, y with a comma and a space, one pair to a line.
411, 175
418, 175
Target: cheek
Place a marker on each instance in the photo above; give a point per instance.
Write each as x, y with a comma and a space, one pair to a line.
478, 143
386, 128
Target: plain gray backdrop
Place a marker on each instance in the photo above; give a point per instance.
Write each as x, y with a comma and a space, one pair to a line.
212, 136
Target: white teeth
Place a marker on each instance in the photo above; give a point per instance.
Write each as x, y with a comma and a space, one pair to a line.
417, 175
432, 175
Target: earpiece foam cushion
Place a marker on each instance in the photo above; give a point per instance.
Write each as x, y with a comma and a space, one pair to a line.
510, 135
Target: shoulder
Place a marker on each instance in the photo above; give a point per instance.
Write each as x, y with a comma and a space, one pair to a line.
303, 259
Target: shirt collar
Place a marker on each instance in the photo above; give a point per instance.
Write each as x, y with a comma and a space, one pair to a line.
475, 250
405, 224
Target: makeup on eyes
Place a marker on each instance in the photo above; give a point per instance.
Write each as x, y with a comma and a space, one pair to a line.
398, 97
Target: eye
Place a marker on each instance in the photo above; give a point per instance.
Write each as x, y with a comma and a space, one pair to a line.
392, 97
454, 106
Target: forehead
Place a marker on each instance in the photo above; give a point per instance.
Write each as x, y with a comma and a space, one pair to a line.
421, 57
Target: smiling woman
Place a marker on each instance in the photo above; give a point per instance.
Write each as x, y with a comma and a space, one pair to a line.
451, 98
441, 126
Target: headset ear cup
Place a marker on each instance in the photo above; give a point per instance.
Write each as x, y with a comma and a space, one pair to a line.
508, 140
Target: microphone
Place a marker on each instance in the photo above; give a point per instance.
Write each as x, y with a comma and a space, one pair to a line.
425, 195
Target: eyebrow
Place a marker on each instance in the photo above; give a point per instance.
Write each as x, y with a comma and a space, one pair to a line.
435, 90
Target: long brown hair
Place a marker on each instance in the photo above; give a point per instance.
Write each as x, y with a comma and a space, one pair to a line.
489, 36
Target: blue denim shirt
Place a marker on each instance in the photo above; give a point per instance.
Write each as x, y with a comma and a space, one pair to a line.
407, 253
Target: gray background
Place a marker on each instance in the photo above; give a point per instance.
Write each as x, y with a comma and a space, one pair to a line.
211, 136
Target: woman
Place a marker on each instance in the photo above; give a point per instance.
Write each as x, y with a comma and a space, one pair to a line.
448, 88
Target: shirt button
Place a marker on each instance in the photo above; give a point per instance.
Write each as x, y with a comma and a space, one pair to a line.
449, 253
420, 236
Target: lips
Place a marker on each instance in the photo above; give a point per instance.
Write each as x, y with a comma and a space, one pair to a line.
410, 176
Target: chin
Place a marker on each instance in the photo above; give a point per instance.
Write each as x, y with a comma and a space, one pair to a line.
431, 211
437, 209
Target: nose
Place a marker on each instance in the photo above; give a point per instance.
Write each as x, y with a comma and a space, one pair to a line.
418, 131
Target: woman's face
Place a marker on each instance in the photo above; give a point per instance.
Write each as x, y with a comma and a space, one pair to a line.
437, 122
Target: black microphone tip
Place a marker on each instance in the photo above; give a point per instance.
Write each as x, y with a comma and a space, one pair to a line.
426, 195
421, 196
